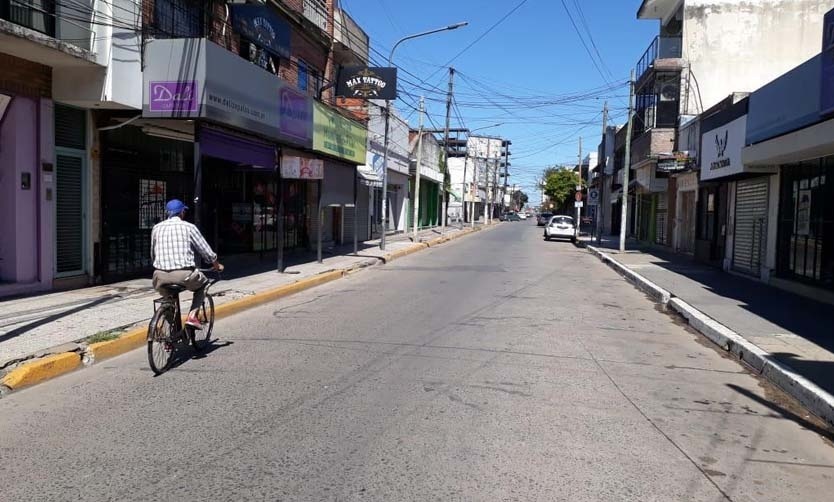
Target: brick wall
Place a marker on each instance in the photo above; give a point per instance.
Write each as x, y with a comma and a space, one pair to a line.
25, 78
652, 142
314, 55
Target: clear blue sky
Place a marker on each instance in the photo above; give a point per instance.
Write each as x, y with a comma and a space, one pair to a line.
530, 73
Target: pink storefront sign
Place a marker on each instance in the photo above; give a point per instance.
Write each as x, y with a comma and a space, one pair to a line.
179, 96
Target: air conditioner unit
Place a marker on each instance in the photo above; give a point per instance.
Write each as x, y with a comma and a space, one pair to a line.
670, 92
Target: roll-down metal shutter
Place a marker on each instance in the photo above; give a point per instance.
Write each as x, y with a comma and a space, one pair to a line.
750, 225
68, 214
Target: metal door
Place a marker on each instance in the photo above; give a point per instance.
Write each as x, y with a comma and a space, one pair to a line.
750, 225
70, 217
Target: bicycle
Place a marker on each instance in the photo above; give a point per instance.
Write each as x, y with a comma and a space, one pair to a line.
166, 329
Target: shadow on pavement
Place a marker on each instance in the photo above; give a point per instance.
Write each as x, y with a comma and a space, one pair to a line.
791, 313
785, 412
46, 320
187, 353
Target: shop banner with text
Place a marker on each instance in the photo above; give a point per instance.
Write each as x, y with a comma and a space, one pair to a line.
338, 136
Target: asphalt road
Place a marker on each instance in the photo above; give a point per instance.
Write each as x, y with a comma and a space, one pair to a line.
497, 367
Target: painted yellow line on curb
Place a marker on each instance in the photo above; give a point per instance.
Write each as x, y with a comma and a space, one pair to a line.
42, 369
58, 364
133, 339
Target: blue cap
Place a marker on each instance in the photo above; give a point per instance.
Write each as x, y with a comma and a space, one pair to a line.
175, 207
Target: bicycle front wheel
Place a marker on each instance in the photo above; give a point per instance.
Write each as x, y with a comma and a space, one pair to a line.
161, 341
206, 316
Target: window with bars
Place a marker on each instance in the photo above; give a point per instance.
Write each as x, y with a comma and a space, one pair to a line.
179, 18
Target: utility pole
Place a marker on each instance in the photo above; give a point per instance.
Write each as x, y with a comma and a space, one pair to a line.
601, 190
444, 211
486, 182
417, 170
506, 174
627, 164
474, 189
579, 191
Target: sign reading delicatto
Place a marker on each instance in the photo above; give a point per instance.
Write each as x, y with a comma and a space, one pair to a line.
367, 83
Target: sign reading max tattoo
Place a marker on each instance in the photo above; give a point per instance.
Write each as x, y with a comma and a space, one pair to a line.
367, 83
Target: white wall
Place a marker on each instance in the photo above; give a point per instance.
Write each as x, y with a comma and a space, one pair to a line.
117, 82
740, 45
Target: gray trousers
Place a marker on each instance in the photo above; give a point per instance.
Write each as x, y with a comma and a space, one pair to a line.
192, 280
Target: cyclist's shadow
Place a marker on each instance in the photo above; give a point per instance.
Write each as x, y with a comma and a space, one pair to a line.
185, 354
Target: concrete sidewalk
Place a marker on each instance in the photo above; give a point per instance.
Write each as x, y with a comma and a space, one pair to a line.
59, 322
794, 331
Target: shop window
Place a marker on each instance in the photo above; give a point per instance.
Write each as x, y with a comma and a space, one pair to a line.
806, 222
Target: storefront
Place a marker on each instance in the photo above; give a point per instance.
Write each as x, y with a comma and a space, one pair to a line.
648, 195
686, 199
140, 171
737, 195
212, 144
28, 188
343, 145
398, 168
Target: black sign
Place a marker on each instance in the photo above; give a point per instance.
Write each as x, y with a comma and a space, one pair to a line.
367, 83
263, 27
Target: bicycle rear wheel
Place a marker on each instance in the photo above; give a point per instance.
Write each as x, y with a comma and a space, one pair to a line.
161, 340
206, 316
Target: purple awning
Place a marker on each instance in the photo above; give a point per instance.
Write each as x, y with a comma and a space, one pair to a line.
246, 151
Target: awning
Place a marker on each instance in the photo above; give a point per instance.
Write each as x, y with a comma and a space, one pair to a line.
369, 177
805, 144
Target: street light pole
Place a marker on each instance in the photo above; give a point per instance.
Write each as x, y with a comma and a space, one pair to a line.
387, 127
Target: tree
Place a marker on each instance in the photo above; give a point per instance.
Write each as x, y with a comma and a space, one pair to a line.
519, 199
560, 185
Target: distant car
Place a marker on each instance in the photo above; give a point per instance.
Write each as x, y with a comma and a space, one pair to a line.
523, 216
543, 219
513, 217
560, 227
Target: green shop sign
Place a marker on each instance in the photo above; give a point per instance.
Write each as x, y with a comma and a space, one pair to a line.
337, 136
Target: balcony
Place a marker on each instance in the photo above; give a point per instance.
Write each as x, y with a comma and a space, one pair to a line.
316, 12
46, 32
664, 53
352, 46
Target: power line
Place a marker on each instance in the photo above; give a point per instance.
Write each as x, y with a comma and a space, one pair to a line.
480, 37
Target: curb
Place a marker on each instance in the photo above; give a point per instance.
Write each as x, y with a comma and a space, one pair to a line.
46, 368
657, 293
43, 369
812, 397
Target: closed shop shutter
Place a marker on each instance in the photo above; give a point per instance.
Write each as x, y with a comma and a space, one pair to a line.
69, 225
338, 183
750, 225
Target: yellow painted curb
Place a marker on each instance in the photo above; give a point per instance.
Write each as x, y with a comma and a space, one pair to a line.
41, 369
58, 364
133, 339
273, 294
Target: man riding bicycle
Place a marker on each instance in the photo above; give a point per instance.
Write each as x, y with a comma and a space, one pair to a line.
173, 243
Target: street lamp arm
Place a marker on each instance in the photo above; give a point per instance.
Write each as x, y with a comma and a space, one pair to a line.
422, 34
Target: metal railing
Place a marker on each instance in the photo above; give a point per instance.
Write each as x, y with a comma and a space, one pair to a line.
71, 24
660, 48
316, 12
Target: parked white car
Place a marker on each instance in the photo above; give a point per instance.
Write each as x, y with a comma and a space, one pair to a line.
560, 227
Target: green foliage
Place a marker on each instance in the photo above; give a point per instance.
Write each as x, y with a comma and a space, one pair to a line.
560, 185
519, 199
104, 336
